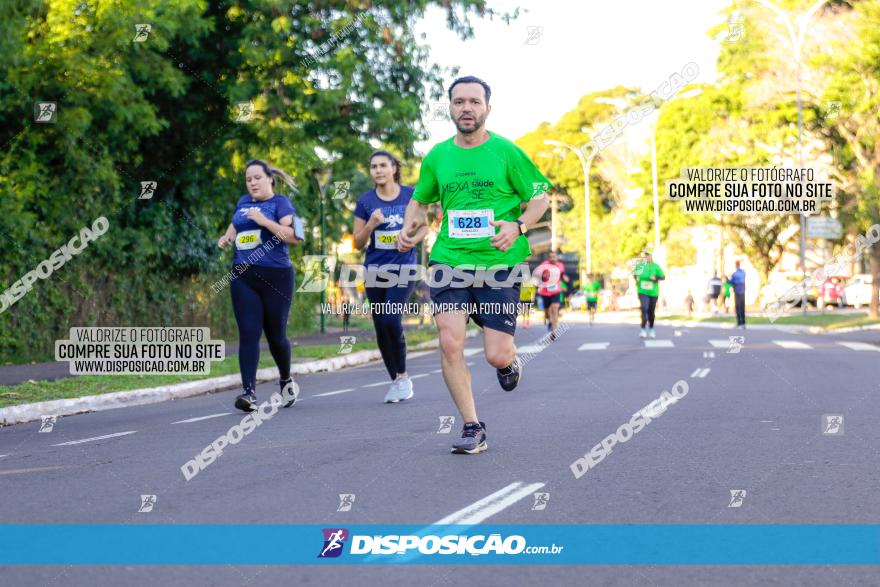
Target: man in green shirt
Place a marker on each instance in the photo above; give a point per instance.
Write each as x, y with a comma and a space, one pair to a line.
591, 289
648, 275
480, 179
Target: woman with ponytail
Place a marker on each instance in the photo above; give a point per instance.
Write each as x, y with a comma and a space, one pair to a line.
262, 285
377, 223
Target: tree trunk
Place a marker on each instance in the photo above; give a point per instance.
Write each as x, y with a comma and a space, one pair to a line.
874, 311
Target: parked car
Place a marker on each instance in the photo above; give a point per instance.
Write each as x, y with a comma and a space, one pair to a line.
788, 287
858, 290
578, 301
629, 300
833, 292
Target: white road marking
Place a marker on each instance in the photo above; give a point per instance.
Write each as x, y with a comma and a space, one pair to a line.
470, 363
474, 513
376, 384
200, 418
860, 346
792, 344
594, 346
1, 456
437, 371
490, 505
531, 348
419, 376
418, 354
766, 421
719, 344
96, 438
659, 344
708, 354
700, 373
472, 352
338, 391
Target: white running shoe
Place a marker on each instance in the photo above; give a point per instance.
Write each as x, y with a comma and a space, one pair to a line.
643, 333
651, 333
392, 392
401, 389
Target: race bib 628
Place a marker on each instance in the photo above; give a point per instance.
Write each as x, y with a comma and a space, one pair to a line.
471, 223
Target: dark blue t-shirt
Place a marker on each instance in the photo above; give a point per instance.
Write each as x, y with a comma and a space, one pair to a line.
382, 248
255, 245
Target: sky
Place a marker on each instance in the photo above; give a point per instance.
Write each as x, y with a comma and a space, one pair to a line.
582, 47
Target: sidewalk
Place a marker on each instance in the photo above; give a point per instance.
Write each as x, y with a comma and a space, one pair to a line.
21, 413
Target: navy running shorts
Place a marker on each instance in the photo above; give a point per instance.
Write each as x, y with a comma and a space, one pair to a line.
554, 299
489, 307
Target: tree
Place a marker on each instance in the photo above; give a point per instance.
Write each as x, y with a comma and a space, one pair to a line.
854, 131
321, 79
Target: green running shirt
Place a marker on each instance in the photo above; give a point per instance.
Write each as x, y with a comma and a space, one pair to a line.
643, 274
486, 182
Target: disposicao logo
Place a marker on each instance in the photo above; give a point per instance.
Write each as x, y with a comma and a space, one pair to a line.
334, 541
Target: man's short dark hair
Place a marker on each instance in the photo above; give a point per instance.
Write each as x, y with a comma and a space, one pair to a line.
469, 79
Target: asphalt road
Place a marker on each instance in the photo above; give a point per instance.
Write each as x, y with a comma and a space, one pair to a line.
752, 420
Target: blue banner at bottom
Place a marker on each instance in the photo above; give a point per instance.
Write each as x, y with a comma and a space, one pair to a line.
673, 544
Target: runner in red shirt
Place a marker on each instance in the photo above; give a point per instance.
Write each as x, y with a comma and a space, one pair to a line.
550, 274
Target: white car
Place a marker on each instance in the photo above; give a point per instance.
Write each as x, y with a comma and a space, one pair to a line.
858, 290
629, 300
578, 301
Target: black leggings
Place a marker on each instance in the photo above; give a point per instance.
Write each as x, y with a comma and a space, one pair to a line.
649, 304
389, 326
261, 298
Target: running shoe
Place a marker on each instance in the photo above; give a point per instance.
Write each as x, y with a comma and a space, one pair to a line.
401, 389
509, 376
473, 439
289, 392
643, 333
651, 333
246, 402
392, 392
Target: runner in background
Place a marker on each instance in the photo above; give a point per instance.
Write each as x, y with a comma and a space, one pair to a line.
591, 289
713, 291
550, 274
378, 220
648, 276
262, 290
689, 304
526, 299
725, 297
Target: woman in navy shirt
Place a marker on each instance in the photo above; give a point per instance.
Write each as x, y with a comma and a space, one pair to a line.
262, 285
378, 220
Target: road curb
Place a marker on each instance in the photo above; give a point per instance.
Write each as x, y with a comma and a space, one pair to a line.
137, 397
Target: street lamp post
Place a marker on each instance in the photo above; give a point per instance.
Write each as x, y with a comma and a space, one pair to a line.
796, 38
585, 167
322, 178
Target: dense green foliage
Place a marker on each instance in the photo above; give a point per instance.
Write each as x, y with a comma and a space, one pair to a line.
328, 81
